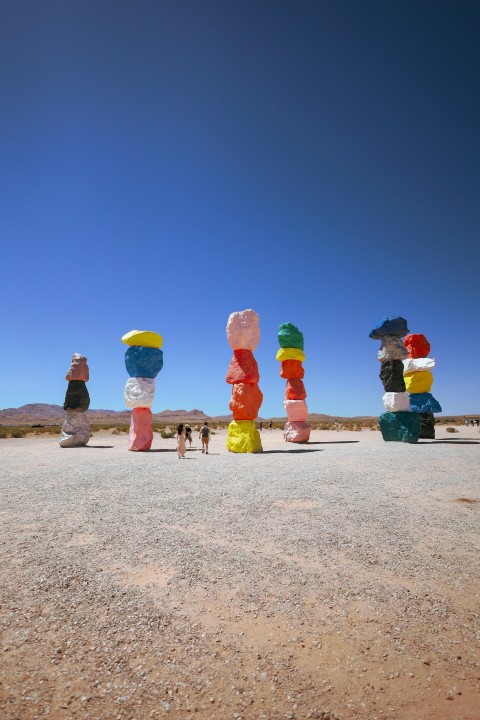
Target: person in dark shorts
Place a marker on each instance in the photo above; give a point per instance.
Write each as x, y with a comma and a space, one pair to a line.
188, 434
205, 437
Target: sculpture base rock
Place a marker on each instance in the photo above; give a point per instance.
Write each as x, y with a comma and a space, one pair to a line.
243, 437
298, 432
400, 426
75, 430
141, 433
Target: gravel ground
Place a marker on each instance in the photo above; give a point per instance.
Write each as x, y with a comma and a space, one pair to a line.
337, 579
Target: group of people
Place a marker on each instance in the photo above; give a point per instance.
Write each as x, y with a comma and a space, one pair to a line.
184, 433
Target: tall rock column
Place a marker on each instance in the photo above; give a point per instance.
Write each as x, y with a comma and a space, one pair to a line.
418, 381
76, 428
243, 336
143, 360
397, 423
291, 355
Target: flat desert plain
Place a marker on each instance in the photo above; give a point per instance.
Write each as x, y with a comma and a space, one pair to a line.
338, 579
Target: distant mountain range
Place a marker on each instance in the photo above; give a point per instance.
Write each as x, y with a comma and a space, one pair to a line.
55, 415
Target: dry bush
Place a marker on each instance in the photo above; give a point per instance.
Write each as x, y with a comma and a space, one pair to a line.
451, 430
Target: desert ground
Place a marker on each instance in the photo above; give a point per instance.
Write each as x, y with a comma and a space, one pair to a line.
337, 579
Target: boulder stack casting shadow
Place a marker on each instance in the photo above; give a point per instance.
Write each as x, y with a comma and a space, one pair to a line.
143, 361
76, 428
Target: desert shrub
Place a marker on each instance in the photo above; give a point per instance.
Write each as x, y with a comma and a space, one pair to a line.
18, 433
451, 429
120, 430
3, 433
167, 433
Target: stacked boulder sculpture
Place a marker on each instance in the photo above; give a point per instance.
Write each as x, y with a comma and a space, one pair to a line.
143, 360
418, 381
291, 355
397, 423
243, 336
76, 428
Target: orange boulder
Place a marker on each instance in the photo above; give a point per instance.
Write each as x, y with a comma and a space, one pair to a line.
295, 390
243, 368
246, 401
292, 369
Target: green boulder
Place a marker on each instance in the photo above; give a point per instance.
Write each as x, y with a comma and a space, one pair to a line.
400, 426
289, 336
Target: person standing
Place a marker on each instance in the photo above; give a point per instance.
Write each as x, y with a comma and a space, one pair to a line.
188, 433
181, 444
205, 437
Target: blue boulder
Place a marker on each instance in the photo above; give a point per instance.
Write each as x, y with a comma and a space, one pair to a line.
424, 403
145, 362
390, 325
400, 426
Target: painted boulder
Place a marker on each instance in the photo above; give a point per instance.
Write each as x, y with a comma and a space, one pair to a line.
411, 365
76, 397
424, 403
295, 390
417, 345
418, 382
75, 430
246, 401
143, 338
391, 375
243, 437
427, 426
296, 431
243, 368
296, 410
141, 433
391, 348
396, 402
143, 362
400, 426
289, 336
78, 369
139, 392
243, 330
292, 370
290, 354
390, 325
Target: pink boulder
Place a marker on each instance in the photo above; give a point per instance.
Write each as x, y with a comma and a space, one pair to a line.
296, 432
243, 368
141, 434
78, 369
243, 330
295, 390
297, 410
246, 401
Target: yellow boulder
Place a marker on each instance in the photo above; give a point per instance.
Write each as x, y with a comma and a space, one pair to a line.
243, 437
290, 354
143, 338
418, 382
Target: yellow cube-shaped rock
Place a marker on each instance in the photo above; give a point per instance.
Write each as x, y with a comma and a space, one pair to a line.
418, 382
290, 354
243, 437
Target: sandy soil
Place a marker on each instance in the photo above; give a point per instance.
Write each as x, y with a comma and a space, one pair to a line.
338, 579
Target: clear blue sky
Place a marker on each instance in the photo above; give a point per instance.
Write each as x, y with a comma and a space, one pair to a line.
163, 164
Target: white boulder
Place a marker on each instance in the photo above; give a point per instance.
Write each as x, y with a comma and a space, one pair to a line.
396, 402
75, 429
418, 364
139, 392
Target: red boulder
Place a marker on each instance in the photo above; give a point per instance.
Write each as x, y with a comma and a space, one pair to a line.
292, 369
295, 390
243, 368
417, 345
246, 401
